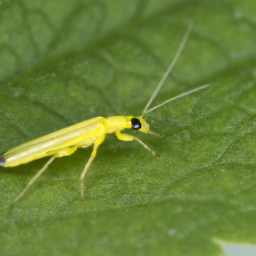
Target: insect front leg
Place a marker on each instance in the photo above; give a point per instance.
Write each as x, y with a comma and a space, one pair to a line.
128, 137
93, 154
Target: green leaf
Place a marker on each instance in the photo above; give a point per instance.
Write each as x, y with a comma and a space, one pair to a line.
62, 62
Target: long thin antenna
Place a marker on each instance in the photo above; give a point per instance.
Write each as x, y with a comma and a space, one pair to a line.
176, 97
177, 55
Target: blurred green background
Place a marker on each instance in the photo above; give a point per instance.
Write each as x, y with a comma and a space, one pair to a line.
63, 61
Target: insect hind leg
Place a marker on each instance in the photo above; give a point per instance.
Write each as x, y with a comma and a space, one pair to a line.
34, 179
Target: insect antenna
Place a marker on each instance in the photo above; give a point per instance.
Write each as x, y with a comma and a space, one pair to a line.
176, 97
177, 55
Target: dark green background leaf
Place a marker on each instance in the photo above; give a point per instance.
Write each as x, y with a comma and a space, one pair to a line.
62, 62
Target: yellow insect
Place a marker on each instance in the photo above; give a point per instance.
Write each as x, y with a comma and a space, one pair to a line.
90, 132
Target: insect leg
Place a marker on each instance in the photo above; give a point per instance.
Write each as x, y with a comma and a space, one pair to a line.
93, 154
34, 179
128, 137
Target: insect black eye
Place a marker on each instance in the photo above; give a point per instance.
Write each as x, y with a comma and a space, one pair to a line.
136, 125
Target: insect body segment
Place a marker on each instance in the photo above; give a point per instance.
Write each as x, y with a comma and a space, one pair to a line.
114, 123
63, 142
84, 134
